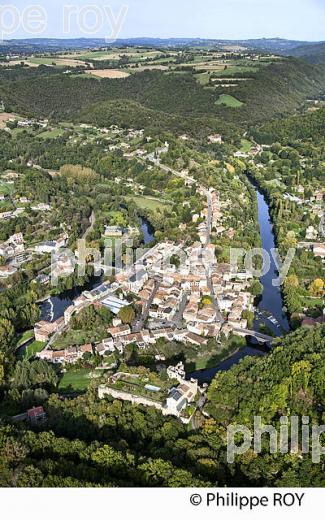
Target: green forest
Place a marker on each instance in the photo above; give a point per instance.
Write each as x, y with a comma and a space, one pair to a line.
87, 442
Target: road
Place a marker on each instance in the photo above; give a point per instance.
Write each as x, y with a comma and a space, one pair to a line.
92, 221
322, 226
178, 318
138, 325
219, 316
157, 162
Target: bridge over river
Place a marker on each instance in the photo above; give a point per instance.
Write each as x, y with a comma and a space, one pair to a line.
261, 338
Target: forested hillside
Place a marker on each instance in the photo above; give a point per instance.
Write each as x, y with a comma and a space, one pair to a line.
313, 53
275, 90
308, 126
291, 380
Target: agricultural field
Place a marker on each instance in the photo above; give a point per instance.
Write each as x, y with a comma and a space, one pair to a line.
4, 117
59, 62
108, 73
52, 134
203, 78
229, 101
5, 189
149, 203
150, 66
134, 55
245, 145
96, 55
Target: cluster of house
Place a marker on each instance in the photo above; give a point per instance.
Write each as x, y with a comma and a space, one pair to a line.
177, 372
313, 205
215, 139
13, 252
13, 246
233, 294
87, 298
166, 301
9, 215
50, 246
215, 218
69, 355
7, 270
19, 210
41, 206
254, 150
121, 336
28, 123
120, 232
115, 132
179, 397
200, 317
215, 208
317, 248
43, 330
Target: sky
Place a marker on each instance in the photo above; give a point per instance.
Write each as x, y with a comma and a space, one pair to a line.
111, 19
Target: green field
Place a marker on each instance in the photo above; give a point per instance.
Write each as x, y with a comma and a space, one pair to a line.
229, 101
52, 134
42, 61
32, 349
115, 55
203, 79
16, 131
75, 380
94, 55
5, 189
245, 146
151, 204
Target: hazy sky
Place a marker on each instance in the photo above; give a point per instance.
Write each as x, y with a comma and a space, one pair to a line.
232, 19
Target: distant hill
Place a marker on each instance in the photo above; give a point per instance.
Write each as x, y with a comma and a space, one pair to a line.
274, 45
312, 53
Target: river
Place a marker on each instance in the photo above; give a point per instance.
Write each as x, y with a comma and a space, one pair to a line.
270, 307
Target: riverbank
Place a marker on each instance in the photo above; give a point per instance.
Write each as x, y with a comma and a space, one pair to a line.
270, 307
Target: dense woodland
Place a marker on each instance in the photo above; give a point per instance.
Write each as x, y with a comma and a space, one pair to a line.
307, 127
87, 442
277, 89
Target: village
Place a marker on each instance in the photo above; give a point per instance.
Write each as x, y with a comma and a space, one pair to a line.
184, 296
182, 293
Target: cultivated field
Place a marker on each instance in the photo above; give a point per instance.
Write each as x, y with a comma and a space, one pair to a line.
151, 66
229, 101
149, 203
4, 117
59, 62
108, 73
52, 134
